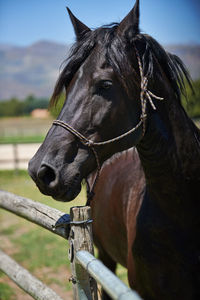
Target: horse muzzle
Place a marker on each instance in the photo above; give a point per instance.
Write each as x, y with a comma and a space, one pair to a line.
59, 183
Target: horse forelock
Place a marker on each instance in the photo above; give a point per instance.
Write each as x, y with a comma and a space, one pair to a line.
79, 52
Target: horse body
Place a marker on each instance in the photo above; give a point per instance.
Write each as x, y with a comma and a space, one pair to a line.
164, 213
111, 81
117, 200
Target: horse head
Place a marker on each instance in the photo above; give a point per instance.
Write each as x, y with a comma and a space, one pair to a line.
99, 105
110, 80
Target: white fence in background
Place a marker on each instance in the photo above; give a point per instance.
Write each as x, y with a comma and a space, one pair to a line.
16, 156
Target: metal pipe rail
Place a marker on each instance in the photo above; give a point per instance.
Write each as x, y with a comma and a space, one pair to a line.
110, 283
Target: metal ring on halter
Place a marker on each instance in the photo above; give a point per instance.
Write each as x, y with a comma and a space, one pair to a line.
145, 96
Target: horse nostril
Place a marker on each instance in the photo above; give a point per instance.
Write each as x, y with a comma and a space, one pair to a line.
48, 176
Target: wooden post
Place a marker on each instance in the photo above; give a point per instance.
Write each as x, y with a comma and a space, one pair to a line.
84, 286
15, 158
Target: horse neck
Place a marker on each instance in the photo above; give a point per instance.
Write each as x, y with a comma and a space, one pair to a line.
187, 141
170, 155
156, 148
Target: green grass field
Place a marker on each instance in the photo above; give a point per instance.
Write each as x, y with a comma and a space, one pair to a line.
40, 251
23, 130
21, 139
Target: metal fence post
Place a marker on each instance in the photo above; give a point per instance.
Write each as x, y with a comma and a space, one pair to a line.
84, 286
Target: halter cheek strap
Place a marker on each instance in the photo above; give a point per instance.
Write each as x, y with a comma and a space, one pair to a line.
145, 96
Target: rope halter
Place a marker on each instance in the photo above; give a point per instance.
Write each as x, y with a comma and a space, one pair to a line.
145, 96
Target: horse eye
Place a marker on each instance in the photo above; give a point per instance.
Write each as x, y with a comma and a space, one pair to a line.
106, 84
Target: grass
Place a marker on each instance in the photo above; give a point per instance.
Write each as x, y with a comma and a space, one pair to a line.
6, 292
23, 130
21, 139
41, 252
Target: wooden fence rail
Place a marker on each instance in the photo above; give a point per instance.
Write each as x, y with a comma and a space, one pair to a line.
25, 280
38, 213
85, 267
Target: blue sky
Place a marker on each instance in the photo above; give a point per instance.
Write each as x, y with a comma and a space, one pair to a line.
23, 22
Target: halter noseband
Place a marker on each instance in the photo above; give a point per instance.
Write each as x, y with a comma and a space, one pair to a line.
145, 96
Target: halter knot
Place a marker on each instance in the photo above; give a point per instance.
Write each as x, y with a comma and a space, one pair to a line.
143, 117
88, 143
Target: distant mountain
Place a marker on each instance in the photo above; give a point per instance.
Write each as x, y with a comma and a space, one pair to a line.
190, 54
34, 69
30, 70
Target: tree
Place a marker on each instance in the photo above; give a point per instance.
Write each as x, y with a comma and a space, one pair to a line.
192, 102
11, 108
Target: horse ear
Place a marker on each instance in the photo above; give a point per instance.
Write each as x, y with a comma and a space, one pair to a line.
79, 28
131, 21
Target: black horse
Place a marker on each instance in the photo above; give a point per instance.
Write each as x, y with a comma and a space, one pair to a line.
112, 81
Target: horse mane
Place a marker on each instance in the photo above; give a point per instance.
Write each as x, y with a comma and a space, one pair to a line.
117, 47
